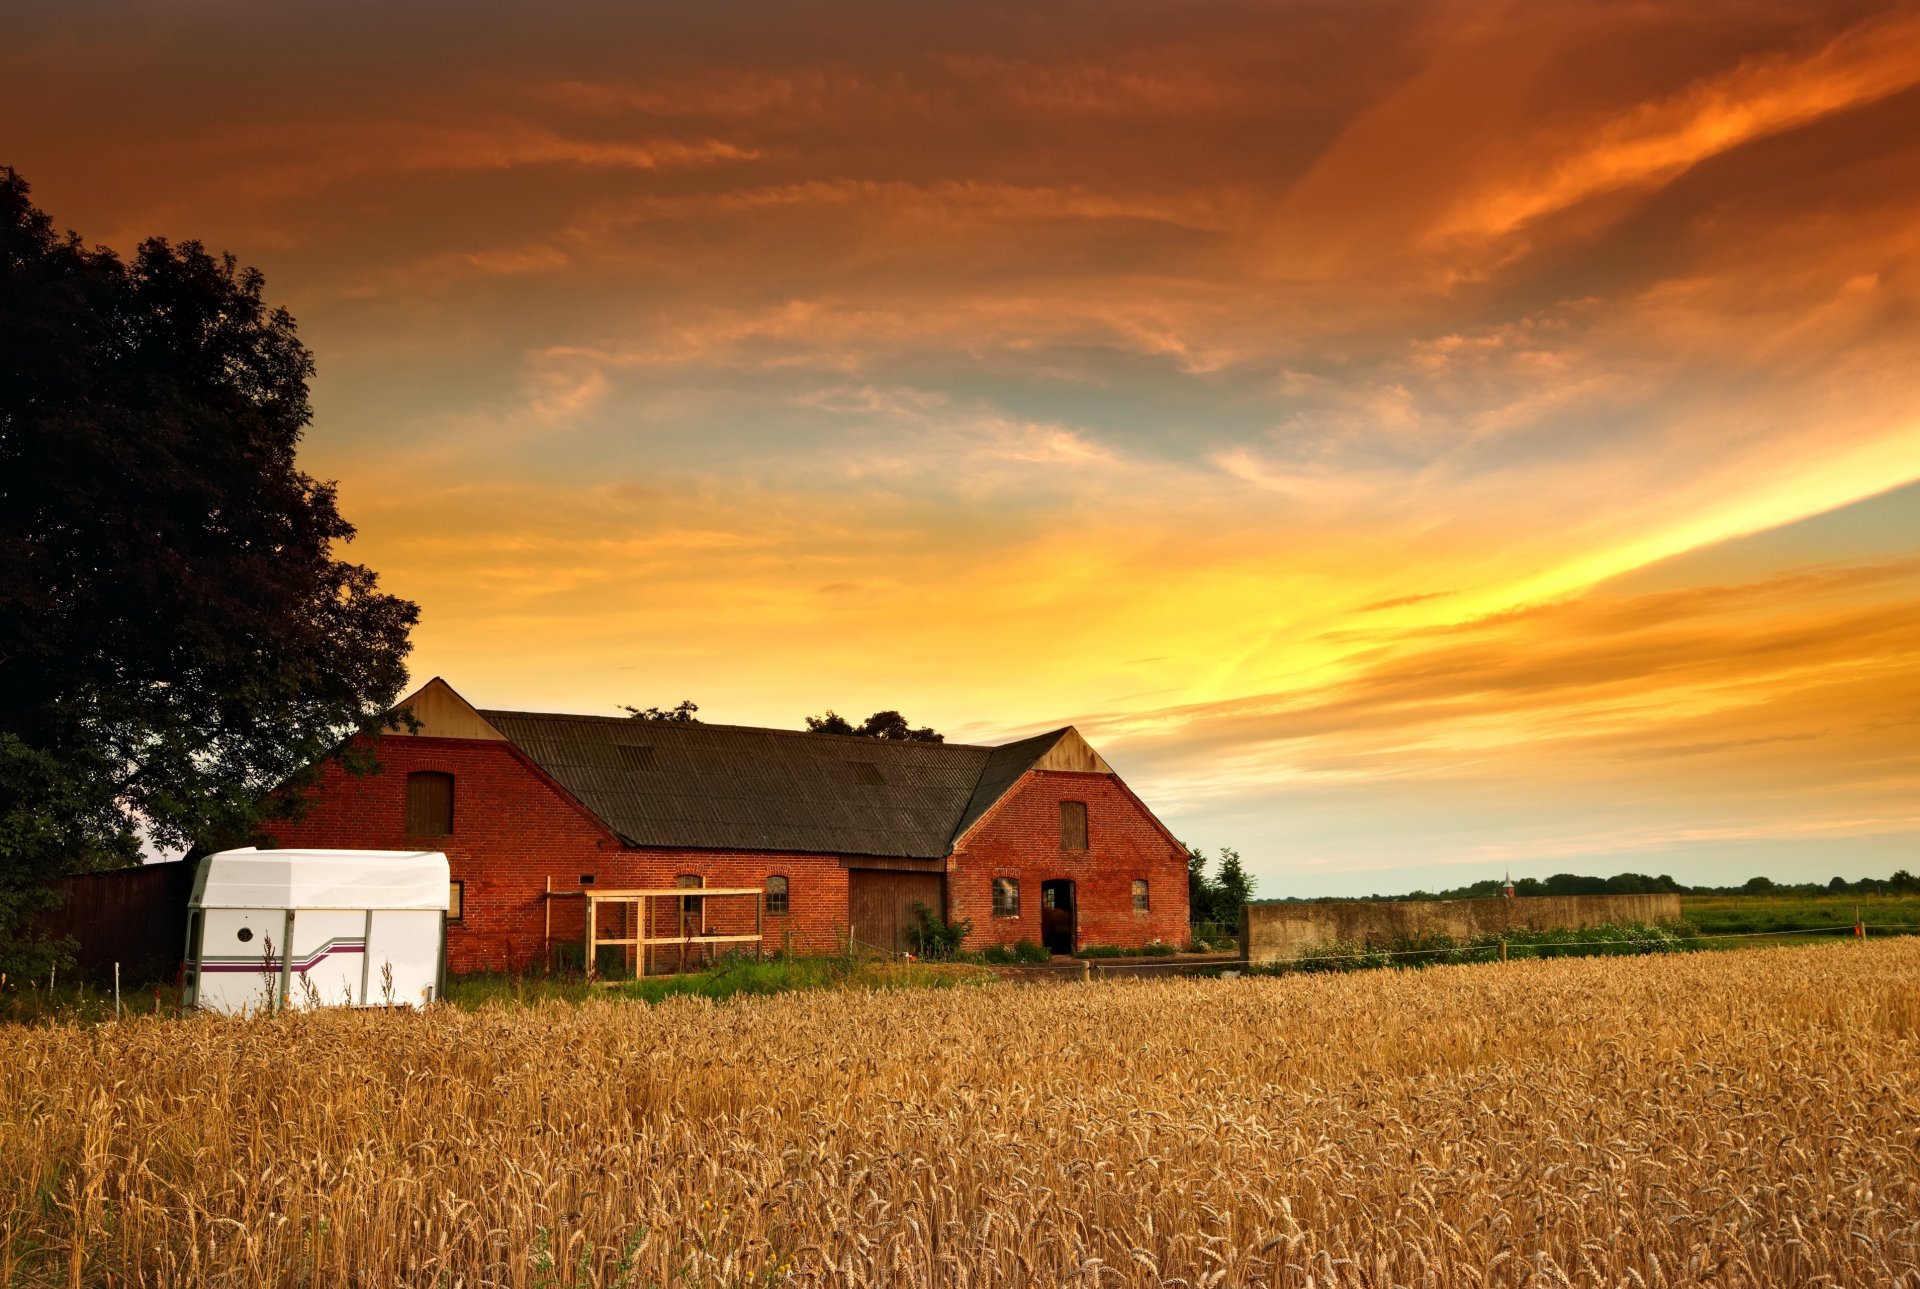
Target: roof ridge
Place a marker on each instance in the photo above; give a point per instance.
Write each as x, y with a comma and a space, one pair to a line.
864, 740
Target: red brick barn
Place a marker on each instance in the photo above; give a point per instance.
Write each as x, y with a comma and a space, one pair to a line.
1035, 840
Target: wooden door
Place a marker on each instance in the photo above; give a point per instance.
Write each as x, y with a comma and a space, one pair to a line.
880, 905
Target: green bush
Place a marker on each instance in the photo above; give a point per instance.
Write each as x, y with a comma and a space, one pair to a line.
1157, 949
935, 939
1001, 955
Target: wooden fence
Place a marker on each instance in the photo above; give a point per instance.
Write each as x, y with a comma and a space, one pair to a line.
136, 917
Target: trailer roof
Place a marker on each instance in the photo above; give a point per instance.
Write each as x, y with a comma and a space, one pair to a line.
321, 879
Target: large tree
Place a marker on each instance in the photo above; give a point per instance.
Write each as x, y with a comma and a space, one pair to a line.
177, 636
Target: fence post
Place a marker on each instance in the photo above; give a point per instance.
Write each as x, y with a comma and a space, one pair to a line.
1859, 929
116, 991
1503, 950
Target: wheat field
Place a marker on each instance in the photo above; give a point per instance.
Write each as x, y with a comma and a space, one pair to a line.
1724, 1119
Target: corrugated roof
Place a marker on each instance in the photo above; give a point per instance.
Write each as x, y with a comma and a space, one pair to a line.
731, 787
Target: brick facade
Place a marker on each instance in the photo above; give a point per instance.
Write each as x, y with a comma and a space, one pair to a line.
1020, 838
514, 827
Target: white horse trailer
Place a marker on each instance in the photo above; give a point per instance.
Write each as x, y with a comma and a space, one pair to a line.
293, 928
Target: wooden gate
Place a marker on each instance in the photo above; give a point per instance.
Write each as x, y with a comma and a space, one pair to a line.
880, 904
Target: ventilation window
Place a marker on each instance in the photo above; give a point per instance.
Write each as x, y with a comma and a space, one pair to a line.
866, 772
638, 756
586, 879
1006, 897
1140, 895
429, 804
1073, 825
456, 900
776, 896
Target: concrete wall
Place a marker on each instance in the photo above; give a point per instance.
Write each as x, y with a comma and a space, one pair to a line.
1278, 932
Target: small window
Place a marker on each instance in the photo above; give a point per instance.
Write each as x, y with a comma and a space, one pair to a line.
1006, 897
456, 899
1073, 825
690, 904
638, 756
586, 879
1140, 904
776, 896
429, 804
865, 772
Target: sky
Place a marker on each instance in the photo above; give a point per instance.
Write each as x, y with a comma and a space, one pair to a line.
1415, 442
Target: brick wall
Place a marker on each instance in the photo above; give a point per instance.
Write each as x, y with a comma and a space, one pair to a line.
1020, 838
513, 828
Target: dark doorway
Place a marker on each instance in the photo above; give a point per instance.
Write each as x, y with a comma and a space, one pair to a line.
1057, 915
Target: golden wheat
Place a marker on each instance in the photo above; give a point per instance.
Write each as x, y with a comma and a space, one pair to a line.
1727, 1119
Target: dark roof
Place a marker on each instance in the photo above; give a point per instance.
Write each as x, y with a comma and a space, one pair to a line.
730, 787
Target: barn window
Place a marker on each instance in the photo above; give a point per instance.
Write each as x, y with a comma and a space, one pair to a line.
690, 904
456, 899
866, 772
1006, 897
429, 804
776, 896
638, 756
1140, 904
1073, 825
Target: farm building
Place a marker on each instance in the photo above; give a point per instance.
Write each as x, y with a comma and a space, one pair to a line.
1035, 840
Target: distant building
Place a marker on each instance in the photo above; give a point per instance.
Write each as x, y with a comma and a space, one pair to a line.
1036, 840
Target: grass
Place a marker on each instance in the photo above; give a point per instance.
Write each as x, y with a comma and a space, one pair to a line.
1750, 914
1625, 940
744, 977
1685, 1119
1155, 950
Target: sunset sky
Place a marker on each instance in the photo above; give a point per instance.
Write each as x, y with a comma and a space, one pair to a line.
1412, 441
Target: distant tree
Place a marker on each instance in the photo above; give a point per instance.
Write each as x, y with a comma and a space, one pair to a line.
882, 725
681, 715
177, 635
1200, 888
1236, 887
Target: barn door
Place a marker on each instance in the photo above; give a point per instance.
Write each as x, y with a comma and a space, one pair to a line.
880, 905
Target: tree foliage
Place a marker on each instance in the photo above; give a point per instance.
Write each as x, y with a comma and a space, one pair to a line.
883, 725
1217, 899
177, 637
680, 715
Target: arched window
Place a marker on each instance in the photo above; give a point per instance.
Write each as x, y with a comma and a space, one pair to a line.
429, 804
776, 896
1140, 895
1006, 897
690, 905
